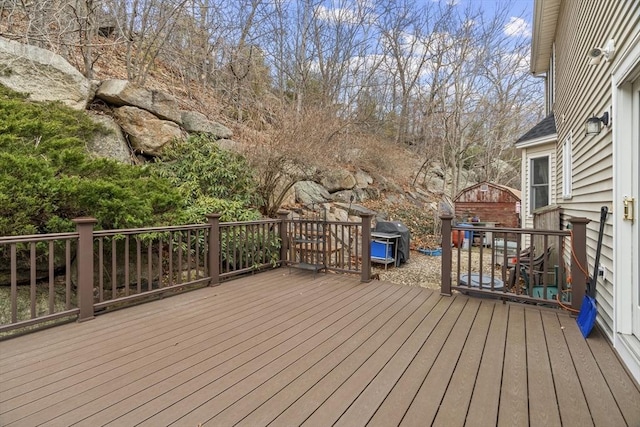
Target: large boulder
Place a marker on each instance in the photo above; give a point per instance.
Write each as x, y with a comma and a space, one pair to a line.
311, 193
337, 180
110, 144
147, 133
125, 93
363, 179
193, 121
355, 209
355, 195
44, 75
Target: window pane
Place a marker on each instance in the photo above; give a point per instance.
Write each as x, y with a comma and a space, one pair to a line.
540, 196
540, 171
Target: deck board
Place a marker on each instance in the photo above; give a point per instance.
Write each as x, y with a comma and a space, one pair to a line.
177, 321
543, 409
288, 347
615, 375
393, 409
570, 397
427, 401
216, 356
207, 408
340, 401
485, 400
316, 396
109, 367
266, 402
453, 410
514, 408
602, 405
285, 397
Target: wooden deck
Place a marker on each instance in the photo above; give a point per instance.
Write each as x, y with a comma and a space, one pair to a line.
286, 348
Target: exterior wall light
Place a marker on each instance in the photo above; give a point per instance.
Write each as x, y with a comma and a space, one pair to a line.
594, 124
597, 54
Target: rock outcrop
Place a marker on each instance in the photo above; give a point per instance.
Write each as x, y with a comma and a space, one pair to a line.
338, 179
143, 121
310, 193
147, 133
123, 93
112, 144
193, 121
42, 74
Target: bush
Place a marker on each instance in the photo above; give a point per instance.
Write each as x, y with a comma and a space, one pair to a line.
211, 179
47, 177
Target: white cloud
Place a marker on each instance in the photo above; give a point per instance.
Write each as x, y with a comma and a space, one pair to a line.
336, 15
517, 27
517, 62
449, 2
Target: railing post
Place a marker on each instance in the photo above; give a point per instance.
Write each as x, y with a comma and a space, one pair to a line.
214, 249
84, 227
579, 261
445, 281
284, 241
365, 274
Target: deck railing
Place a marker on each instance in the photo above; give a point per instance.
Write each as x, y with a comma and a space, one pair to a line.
338, 246
32, 278
76, 275
539, 266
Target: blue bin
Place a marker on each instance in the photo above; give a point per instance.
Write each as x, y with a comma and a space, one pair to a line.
381, 250
467, 234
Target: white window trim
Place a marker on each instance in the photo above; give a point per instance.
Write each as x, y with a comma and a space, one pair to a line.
567, 167
530, 186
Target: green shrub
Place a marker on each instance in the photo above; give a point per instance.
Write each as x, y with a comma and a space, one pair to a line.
210, 178
47, 177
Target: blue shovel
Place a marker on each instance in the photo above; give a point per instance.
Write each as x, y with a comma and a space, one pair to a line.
588, 311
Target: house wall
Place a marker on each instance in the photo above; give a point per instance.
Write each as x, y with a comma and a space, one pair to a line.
583, 90
528, 154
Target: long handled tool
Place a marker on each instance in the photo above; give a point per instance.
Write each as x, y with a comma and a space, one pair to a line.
588, 311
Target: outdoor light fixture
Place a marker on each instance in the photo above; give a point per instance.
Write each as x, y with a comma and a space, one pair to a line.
597, 54
594, 124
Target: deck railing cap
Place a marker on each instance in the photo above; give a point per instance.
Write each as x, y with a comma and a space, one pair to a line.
579, 220
85, 220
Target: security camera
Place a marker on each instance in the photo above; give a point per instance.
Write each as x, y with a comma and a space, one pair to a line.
596, 52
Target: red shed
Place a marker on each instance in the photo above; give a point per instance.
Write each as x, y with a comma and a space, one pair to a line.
489, 202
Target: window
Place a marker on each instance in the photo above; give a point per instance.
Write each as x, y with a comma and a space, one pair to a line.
567, 178
539, 183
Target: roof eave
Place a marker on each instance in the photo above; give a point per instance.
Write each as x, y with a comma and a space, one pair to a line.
542, 140
545, 16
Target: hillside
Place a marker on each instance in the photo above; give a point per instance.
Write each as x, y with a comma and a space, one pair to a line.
414, 97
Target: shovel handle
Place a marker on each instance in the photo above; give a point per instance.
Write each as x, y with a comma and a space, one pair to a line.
591, 286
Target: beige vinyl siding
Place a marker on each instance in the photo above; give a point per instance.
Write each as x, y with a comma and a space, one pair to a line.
528, 154
583, 90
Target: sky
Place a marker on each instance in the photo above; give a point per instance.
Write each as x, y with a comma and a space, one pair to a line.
519, 11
